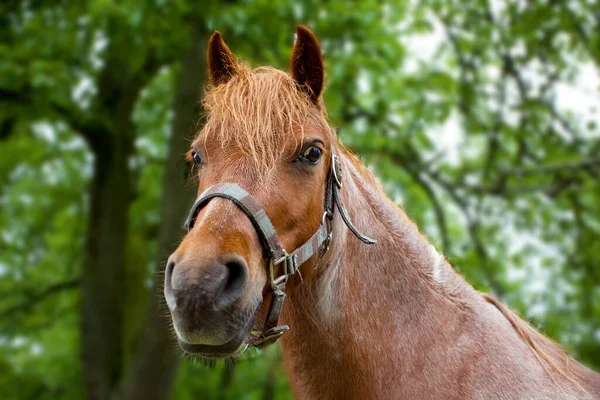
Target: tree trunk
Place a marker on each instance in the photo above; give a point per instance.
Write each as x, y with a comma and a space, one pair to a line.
103, 277
154, 363
103, 274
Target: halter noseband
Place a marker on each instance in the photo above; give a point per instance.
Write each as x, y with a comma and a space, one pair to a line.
318, 242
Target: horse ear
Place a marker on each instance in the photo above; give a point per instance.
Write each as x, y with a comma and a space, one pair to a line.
221, 61
307, 63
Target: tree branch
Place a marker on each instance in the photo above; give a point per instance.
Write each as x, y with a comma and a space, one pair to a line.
42, 295
92, 131
440, 216
557, 167
7, 128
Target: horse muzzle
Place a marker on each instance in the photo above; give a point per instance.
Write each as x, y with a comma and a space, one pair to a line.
209, 315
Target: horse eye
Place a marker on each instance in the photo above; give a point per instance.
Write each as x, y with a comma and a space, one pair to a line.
197, 159
312, 154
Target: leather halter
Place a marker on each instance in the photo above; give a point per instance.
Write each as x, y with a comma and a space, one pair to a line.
290, 263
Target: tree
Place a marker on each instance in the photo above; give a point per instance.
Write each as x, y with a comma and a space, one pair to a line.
481, 118
107, 125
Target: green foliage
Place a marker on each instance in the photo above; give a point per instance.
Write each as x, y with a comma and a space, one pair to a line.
258, 376
480, 118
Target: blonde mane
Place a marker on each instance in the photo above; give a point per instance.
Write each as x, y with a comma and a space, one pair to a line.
545, 350
260, 112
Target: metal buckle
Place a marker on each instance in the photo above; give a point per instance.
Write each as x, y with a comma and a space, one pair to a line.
241, 350
268, 337
337, 173
275, 332
290, 267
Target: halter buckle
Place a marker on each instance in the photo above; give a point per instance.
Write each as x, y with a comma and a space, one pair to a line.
290, 267
268, 337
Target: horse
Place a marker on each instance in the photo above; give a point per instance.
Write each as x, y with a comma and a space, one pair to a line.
363, 305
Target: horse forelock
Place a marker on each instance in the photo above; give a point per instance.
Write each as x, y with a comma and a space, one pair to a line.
260, 112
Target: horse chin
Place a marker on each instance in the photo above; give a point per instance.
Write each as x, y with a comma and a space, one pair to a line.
232, 348
229, 349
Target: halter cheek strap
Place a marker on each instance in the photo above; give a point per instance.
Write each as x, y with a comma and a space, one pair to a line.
317, 243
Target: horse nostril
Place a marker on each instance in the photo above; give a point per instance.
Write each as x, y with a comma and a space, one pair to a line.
235, 282
169, 297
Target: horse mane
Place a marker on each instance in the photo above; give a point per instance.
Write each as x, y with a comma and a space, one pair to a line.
544, 349
362, 169
259, 111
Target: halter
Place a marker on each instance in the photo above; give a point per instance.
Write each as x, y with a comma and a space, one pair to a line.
290, 263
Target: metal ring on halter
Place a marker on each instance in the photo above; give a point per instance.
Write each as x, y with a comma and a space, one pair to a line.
335, 167
238, 352
326, 220
327, 216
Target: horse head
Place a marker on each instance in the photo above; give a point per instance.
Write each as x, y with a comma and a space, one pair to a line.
267, 146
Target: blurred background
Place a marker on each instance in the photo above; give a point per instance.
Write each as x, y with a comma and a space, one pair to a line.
481, 118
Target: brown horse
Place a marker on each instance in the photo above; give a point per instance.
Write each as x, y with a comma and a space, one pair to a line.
381, 320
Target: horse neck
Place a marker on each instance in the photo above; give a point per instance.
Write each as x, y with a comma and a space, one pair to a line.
403, 265
369, 301
374, 317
